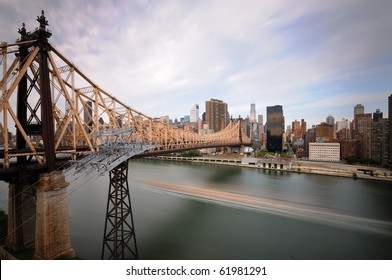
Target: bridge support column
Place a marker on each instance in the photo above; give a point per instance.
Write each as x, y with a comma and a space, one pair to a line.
52, 234
119, 241
21, 212
14, 239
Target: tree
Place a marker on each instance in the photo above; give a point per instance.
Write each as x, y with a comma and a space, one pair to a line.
192, 153
351, 160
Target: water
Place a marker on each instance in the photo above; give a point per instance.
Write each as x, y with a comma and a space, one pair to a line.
259, 214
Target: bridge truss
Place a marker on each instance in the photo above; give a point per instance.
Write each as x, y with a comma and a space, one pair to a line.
79, 109
53, 108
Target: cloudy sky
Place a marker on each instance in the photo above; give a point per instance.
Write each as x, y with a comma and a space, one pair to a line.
160, 57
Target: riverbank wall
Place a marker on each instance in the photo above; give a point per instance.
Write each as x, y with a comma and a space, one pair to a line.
307, 167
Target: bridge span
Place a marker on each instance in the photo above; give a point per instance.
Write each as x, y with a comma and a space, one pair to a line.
56, 111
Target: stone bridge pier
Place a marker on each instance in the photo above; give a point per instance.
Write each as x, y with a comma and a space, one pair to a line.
52, 233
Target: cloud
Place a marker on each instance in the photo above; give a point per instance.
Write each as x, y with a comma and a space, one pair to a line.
161, 57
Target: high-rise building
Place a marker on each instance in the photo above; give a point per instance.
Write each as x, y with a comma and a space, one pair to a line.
348, 148
330, 120
88, 116
217, 116
252, 117
377, 115
380, 141
325, 133
360, 121
254, 131
260, 119
275, 128
88, 113
289, 131
296, 130
303, 128
166, 120
246, 126
194, 117
373, 135
310, 137
359, 109
343, 130
342, 124
260, 130
366, 137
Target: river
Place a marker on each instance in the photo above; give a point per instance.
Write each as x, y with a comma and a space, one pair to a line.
203, 211
241, 214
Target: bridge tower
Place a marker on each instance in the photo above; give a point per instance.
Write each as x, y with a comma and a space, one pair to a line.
35, 118
15, 239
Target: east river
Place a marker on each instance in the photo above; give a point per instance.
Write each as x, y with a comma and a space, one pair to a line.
205, 211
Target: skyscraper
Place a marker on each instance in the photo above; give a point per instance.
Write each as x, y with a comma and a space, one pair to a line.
359, 109
380, 141
260, 119
252, 117
194, 117
303, 128
377, 115
253, 127
360, 118
296, 130
275, 128
364, 135
330, 120
217, 116
88, 116
88, 113
361, 121
342, 124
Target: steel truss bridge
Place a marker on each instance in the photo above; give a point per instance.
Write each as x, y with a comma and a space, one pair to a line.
55, 109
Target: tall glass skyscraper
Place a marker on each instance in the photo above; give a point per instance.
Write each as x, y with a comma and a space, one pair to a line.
252, 117
194, 117
275, 128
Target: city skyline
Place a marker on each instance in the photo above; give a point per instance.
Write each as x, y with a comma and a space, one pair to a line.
314, 59
324, 119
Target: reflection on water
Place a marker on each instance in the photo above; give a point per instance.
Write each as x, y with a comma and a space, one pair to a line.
224, 174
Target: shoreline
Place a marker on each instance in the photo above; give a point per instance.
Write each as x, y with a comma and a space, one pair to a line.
306, 167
